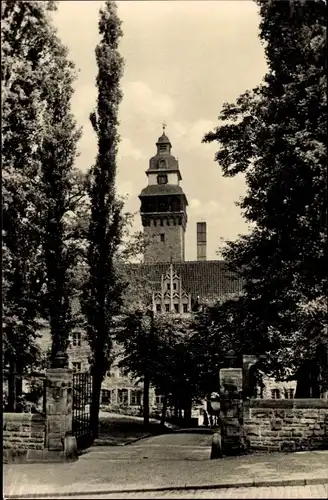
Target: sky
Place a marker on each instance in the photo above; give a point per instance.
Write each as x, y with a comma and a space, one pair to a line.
183, 60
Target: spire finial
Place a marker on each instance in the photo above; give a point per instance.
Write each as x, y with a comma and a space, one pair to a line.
164, 127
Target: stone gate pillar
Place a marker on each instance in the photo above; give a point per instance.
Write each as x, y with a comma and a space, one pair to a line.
231, 415
59, 409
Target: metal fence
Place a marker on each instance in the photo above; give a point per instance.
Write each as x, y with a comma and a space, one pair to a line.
82, 387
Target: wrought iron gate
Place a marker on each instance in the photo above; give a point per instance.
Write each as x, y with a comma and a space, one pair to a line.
82, 387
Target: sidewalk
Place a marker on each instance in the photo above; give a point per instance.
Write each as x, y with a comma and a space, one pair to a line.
119, 469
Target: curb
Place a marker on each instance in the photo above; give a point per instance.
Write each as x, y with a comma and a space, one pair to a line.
194, 430
246, 484
106, 442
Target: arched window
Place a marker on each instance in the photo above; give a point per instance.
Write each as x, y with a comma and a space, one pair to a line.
162, 179
161, 164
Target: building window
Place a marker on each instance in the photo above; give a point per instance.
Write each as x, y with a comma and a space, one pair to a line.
289, 393
162, 235
185, 308
167, 308
168, 286
105, 396
76, 339
76, 366
174, 286
161, 164
158, 307
162, 179
159, 398
275, 394
122, 396
176, 308
136, 397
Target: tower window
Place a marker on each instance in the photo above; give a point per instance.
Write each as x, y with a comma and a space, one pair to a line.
162, 147
161, 164
162, 235
162, 179
176, 205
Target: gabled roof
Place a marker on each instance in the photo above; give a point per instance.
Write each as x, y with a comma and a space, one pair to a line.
204, 279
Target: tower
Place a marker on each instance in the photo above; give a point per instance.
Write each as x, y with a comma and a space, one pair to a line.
163, 207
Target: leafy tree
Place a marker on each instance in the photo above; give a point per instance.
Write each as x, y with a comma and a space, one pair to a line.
275, 135
214, 335
103, 288
137, 336
158, 350
58, 154
28, 43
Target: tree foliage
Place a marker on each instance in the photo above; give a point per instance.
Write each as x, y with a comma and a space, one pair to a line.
275, 135
39, 140
103, 287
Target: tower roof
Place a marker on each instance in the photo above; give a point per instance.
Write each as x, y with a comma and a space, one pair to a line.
163, 189
163, 139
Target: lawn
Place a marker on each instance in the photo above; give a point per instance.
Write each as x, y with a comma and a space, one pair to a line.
116, 429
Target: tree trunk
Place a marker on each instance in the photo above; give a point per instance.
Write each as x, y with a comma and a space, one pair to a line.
164, 408
95, 404
187, 411
146, 402
12, 400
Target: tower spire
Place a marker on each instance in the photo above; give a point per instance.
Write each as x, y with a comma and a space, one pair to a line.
164, 125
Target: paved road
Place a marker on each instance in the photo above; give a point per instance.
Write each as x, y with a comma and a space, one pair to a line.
315, 491
170, 460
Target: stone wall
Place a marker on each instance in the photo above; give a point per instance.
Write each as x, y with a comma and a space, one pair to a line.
23, 436
173, 245
286, 425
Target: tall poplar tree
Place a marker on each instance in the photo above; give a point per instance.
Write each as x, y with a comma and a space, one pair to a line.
58, 154
103, 288
275, 135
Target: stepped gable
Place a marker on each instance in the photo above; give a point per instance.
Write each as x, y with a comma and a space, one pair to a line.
207, 279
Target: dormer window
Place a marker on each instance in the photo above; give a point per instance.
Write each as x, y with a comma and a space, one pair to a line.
162, 179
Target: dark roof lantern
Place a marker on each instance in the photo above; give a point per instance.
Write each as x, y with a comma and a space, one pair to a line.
163, 139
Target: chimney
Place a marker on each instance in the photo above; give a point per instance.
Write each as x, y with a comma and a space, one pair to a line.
201, 240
